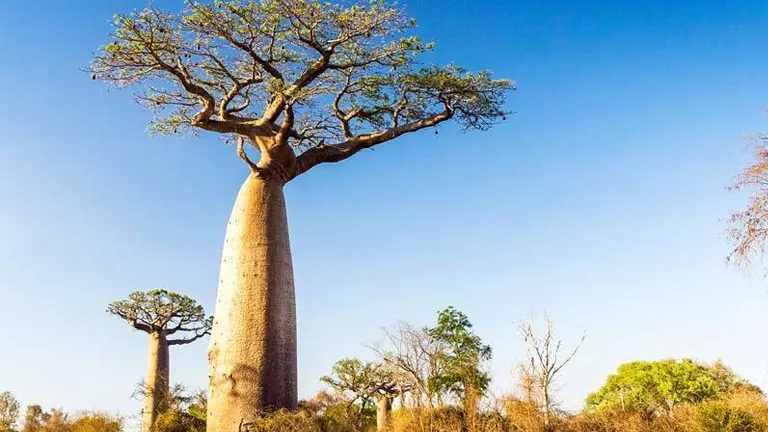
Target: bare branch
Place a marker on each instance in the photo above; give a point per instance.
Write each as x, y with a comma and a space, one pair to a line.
345, 150
244, 156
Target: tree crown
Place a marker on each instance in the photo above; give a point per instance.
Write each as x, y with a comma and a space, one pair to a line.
463, 354
163, 310
9, 411
658, 387
357, 380
324, 80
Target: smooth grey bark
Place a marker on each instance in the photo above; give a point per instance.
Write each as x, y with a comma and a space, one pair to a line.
383, 413
252, 352
157, 384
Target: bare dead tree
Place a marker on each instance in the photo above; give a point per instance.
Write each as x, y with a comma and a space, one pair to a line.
543, 364
416, 357
748, 229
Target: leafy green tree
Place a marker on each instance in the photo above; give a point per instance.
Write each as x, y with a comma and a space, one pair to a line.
9, 412
161, 314
657, 388
462, 357
304, 83
355, 380
367, 383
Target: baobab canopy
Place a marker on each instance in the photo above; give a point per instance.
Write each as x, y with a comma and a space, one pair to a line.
332, 78
166, 311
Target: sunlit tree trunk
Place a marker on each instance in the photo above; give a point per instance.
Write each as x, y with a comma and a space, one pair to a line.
471, 402
252, 352
157, 382
383, 413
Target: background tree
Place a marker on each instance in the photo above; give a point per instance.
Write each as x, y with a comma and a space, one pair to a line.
161, 314
367, 383
415, 357
728, 381
305, 83
748, 229
9, 412
97, 421
462, 359
355, 380
34, 417
659, 387
543, 365
56, 420
391, 385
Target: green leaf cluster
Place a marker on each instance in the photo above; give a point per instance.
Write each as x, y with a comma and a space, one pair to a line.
462, 357
658, 387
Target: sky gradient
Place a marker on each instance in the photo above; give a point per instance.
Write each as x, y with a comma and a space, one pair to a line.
601, 201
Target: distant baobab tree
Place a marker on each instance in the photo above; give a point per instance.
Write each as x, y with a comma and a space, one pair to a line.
161, 314
304, 83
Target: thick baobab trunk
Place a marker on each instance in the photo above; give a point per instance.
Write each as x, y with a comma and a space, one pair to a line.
157, 383
252, 352
383, 414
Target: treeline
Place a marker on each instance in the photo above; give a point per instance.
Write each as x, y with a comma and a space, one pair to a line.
35, 419
434, 378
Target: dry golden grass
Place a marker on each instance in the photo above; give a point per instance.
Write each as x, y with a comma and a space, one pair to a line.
737, 412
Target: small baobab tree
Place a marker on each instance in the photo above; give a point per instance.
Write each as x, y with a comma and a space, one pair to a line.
368, 383
169, 319
390, 385
304, 83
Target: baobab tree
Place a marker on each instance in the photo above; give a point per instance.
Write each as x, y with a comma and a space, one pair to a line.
303, 83
368, 382
161, 314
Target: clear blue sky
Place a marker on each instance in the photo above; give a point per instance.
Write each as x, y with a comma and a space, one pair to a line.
600, 201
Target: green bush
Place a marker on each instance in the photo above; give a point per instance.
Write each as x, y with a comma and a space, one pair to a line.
720, 417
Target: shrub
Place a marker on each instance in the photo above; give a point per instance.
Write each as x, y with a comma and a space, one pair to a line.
284, 421
346, 418
523, 416
96, 422
719, 416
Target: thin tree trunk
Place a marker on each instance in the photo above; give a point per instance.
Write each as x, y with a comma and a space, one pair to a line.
471, 399
547, 408
157, 382
383, 413
252, 352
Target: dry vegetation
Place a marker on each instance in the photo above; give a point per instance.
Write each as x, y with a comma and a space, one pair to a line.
433, 379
